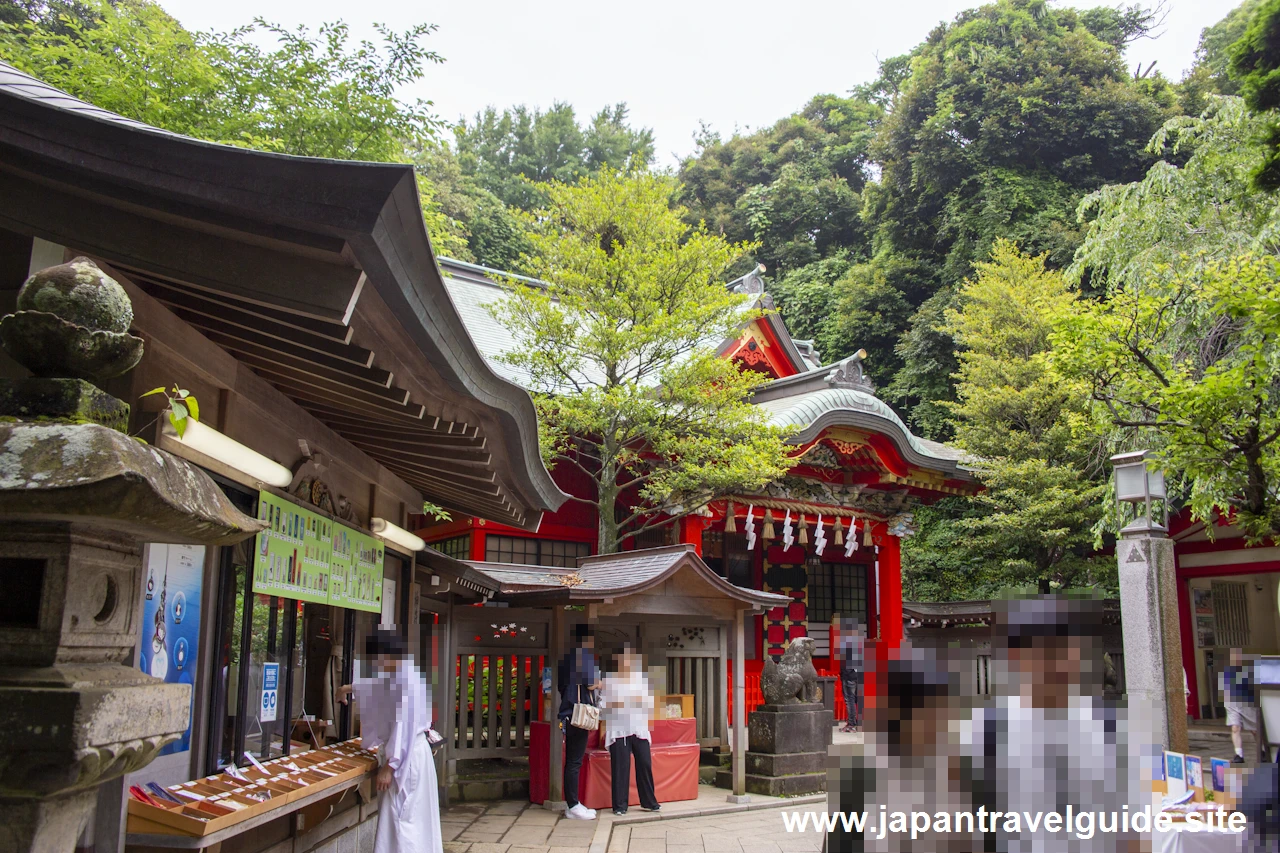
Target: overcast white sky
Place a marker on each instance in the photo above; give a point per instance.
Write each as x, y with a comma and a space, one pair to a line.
733, 64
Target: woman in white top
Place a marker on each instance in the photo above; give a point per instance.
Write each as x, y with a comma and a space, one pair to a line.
627, 707
395, 716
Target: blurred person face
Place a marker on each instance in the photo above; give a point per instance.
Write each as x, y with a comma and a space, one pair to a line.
1237, 657
924, 727
386, 663
1048, 669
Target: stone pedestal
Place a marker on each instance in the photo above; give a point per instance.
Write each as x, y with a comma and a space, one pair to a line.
1152, 640
71, 400
77, 502
788, 751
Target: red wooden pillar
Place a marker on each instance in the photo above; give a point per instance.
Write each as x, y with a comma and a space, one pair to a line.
890, 590
691, 527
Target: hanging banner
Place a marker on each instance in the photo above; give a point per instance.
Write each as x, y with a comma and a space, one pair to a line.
171, 621
355, 570
293, 554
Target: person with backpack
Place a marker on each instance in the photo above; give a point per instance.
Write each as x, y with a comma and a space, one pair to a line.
1051, 742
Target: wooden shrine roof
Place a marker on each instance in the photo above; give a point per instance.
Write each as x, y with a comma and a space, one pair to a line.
316, 274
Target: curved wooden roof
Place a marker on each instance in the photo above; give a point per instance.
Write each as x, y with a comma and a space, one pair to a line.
317, 274
615, 576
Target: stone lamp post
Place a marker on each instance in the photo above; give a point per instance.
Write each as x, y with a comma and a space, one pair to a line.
78, 499
1149, 607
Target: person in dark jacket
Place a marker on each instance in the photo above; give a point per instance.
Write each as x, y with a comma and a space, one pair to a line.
851, 645
579, 677
1260, 804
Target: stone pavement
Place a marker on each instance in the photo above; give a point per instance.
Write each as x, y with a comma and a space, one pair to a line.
705, 825
512, 827
759, 831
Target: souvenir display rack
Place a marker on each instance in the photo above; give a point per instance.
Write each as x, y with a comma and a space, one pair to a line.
220, 802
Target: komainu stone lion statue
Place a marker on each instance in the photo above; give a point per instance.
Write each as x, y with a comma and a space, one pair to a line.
793, 679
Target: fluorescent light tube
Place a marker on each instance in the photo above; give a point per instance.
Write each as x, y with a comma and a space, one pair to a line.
396, 535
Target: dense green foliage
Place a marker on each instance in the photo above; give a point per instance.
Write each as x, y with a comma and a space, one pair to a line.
795, 188
631, 390
1211, 73
315, 95
1021, 420
494, 171
996, 126
1255, 66
510, 152
1179, 355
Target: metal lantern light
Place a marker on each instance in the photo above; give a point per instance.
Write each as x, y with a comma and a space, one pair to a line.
1141, 486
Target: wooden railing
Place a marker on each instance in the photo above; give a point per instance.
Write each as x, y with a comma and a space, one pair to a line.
497, 697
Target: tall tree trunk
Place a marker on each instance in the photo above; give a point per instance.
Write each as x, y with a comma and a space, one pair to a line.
607, 508
607, 538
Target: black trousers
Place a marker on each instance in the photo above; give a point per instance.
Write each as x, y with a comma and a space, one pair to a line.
575, 746
620, 752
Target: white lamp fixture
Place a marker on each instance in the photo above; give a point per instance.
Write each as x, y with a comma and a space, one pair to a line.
208, 441
1140, 485
396, 535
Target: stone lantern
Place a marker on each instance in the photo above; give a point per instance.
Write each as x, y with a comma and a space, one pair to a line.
78, 499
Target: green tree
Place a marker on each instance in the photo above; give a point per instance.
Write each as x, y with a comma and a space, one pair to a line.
1178, 354
1022, 419
481, 228
1010, 114
1195, 199
310, 95
1255, 65
1211, 73
793, 187
313, 95
512, 152
621, 351
1189, 366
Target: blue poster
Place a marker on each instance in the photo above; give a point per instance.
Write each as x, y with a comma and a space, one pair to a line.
171, 620
270, 692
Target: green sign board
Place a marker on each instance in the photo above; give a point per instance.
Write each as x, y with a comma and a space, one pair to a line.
355, 576
292, 555
308, 557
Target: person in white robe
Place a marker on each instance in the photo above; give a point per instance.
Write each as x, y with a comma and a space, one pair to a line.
395, 717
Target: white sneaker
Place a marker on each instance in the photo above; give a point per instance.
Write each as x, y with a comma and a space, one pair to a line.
580, 812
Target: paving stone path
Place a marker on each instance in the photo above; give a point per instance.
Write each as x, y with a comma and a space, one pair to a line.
513, 827
742, 832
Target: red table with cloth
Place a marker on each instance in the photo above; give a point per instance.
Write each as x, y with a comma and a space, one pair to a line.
675, 765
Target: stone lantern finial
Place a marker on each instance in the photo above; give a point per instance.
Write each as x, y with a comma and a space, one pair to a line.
71, 329
72, 322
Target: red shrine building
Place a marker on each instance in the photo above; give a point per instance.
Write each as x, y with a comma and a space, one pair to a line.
1227, 598
859, 472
